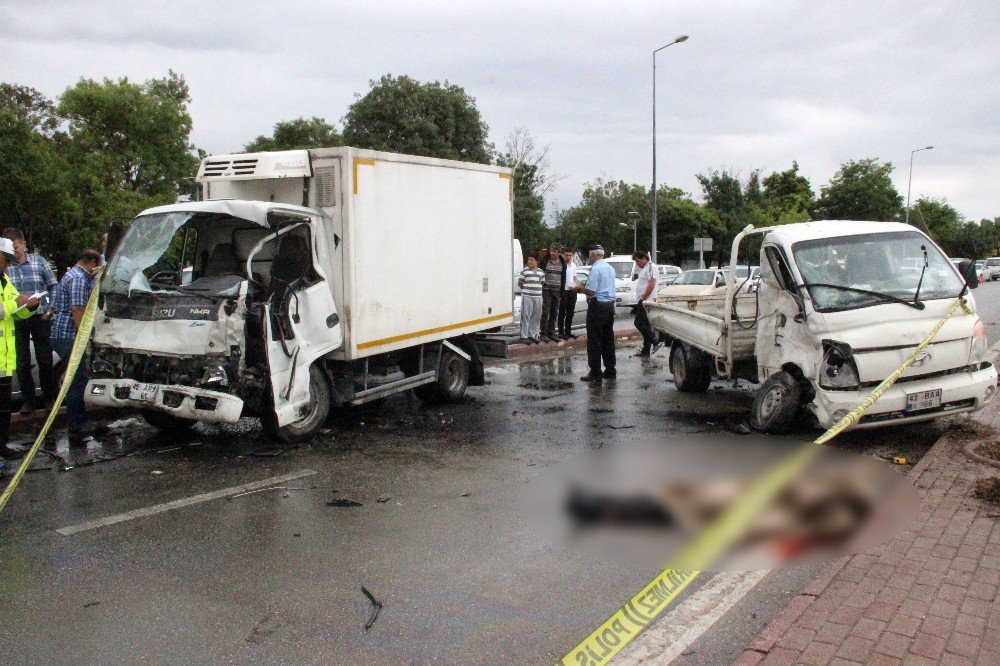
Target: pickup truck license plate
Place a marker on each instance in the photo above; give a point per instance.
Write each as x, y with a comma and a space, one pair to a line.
142, 392
916, 402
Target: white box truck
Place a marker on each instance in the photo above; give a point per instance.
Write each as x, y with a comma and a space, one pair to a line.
305, 280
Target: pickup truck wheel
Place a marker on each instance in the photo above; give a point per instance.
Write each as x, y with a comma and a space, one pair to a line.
316, 412
777, 403
166, 422
690, 369
453, 379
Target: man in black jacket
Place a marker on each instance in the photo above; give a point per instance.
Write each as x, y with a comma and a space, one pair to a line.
554, 267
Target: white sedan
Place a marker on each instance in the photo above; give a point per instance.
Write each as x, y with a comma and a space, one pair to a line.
701, 282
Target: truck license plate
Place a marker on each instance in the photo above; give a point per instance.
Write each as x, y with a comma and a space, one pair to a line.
142, 392
916, 402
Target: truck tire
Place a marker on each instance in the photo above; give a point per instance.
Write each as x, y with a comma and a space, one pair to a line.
166, 422
690, 368
453, 379
777, 403
305, 428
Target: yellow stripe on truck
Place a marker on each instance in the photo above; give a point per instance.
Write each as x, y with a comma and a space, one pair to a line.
430, 331
363, 161
510, 181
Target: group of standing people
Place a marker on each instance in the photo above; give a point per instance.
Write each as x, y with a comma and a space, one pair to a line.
549, 290
38, 310
548, 297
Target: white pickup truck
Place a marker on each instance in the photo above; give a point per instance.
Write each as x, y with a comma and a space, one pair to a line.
840, 305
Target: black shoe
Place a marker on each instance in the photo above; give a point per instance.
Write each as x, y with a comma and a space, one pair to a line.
642, 353
524, 341
536, 340
610, 374
89, 430
77, 439
570, 336
591, 377
27, 407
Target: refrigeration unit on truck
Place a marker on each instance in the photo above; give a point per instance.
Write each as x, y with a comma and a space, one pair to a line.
839, 306
305, 280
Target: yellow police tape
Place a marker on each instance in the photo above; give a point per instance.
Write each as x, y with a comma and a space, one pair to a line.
635, 615
79, 348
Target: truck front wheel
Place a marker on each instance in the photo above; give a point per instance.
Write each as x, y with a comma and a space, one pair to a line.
315, 413
690, 368
453, 379
776, 404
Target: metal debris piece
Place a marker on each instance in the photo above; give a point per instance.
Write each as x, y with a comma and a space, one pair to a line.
91, 603
383, 499
376, 607
343, 501
157, 472
621, 427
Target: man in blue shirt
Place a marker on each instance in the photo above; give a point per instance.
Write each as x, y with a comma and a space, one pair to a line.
70, 304
31, 275
600, 291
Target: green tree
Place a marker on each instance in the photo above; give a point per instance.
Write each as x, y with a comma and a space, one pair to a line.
297, 134
860, 190
788, 196
400, 114
725, 196
130, 149
136, 134
29, 105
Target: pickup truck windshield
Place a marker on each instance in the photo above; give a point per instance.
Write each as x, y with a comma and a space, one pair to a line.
885, 265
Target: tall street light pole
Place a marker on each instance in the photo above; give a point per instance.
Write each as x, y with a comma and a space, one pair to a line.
909, 180
653, 223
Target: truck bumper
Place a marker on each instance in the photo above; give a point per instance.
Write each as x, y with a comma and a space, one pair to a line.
961, 392
183, 402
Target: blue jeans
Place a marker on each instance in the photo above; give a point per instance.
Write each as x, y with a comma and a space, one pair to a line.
76, 410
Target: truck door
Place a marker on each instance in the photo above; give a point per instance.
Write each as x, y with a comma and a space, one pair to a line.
301, 320
779, 306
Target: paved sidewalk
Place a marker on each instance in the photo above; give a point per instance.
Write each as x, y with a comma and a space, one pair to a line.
928, 596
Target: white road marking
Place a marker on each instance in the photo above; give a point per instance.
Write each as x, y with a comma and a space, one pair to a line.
668, 637
181, 503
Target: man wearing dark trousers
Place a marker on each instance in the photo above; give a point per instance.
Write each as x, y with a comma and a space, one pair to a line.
600, 291
567, 306
647, 281
552, 287
31, 274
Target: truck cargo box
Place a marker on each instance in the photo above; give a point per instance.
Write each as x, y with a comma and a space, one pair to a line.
421, 247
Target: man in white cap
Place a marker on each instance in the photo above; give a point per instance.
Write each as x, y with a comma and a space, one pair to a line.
13, 306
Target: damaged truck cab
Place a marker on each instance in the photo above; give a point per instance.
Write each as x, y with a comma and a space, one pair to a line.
249, 304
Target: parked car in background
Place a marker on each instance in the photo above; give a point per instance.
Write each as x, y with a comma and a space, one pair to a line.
700, 282
981, 270
624, 285
668, 273
992, 268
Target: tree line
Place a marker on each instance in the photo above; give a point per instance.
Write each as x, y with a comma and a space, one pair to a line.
107, 150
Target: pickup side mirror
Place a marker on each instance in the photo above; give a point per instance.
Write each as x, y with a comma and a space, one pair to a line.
967, 269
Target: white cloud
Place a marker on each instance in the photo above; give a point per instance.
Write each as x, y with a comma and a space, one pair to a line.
758, 85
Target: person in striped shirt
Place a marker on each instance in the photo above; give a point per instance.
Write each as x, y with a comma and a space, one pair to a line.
530, 283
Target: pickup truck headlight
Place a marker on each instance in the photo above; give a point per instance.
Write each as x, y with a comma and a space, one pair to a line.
838, 370
980, 347
215, 376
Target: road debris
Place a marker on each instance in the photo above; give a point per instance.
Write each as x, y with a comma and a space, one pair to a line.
343, 501
376, 607
157, 472
621, 427
90, 604
383, 499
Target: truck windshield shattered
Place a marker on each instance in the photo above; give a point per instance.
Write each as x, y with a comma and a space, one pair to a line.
850, 272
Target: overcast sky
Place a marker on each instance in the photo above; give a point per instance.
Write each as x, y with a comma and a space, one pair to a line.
758, 84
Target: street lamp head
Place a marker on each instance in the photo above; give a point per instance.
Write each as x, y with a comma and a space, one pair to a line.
622, 224
928, 147
682, 38
634, 215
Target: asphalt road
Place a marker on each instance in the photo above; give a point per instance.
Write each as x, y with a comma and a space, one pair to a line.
440, 537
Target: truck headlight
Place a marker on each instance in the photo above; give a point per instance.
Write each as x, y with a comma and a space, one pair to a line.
97, 389
838, 370
215, 376
980, 347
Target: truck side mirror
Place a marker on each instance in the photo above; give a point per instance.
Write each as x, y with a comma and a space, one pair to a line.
967, 269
